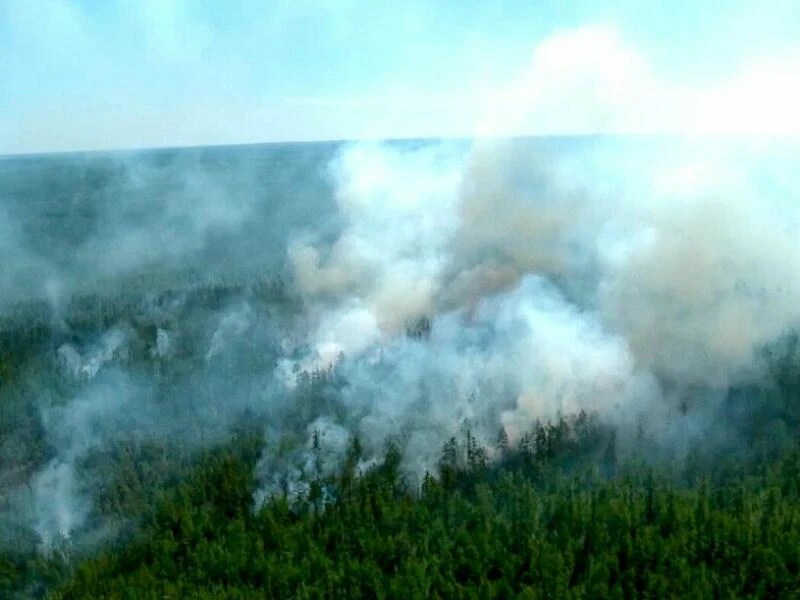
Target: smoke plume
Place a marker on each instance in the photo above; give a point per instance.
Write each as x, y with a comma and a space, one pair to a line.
428, 288
557, 278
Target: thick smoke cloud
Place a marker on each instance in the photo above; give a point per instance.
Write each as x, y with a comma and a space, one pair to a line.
537, 278
689, 258
557, 279
411, 194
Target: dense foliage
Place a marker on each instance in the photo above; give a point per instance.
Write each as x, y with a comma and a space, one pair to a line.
563, 512
558, 518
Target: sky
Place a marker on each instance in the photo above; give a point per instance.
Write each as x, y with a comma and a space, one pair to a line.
85, 74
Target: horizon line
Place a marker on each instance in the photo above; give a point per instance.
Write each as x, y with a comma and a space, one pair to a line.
388, 140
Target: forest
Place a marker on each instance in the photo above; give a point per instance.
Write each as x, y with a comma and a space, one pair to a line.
573, 508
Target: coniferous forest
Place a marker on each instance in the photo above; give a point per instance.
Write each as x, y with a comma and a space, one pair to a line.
527, 528
544, 368
329, 299
569, 509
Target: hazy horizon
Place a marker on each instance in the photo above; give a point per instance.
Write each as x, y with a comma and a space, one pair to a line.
400, 139
76, 76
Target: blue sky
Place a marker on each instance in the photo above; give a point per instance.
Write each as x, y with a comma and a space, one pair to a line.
84, 74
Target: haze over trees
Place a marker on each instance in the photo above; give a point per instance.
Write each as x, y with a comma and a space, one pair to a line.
442, 372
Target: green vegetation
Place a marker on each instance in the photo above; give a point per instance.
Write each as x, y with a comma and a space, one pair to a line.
570, 510
556, 519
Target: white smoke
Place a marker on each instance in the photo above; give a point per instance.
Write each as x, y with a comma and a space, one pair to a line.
232, 325
557, 279
87, 364
706, 274
399, 208
321, 456
110, 409
555, 276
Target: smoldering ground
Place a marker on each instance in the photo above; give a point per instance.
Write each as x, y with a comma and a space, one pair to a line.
623, 278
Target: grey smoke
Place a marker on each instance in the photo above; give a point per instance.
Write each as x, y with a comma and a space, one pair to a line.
673, 268
609, 277
111, 408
